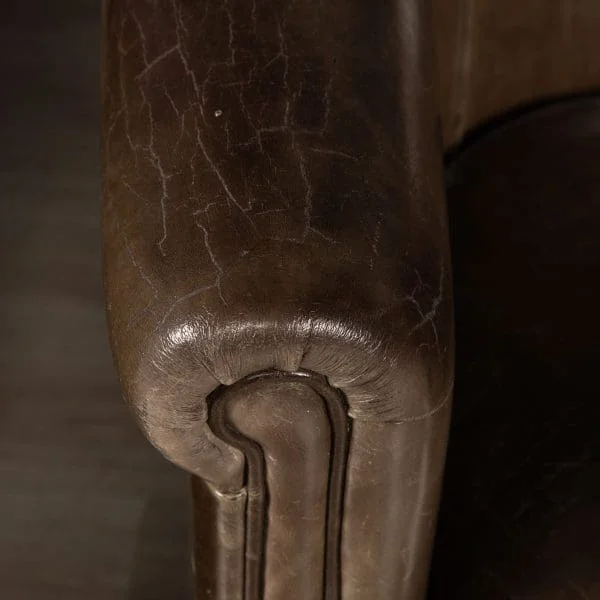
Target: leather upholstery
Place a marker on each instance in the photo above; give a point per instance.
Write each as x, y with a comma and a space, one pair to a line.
497, 55
275, 241
274, 202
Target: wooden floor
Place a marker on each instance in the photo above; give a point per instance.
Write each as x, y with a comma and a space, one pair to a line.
87, 509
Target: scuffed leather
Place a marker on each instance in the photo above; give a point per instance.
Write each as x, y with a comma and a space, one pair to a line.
293, 431
274, 201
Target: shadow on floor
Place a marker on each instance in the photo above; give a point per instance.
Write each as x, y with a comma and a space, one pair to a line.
162, 560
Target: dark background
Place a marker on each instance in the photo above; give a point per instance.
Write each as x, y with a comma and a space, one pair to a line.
88, 510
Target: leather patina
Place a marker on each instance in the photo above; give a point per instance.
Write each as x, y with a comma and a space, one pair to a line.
274, 203
495, 57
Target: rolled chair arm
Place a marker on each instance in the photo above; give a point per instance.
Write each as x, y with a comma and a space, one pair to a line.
278, 281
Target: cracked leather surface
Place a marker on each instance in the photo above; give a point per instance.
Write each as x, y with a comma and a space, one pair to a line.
273, 200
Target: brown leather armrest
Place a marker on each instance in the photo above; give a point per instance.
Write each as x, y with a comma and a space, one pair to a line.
274, 202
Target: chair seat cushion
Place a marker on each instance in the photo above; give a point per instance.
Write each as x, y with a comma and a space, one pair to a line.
520, 514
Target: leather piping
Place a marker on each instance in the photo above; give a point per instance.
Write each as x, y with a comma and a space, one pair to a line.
256, 484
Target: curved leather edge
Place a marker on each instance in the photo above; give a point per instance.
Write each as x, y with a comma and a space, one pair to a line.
273, 200
330, 507
294, 432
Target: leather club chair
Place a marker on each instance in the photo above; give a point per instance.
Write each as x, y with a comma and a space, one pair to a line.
279, 290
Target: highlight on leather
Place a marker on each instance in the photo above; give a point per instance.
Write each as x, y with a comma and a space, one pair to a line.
274, 202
